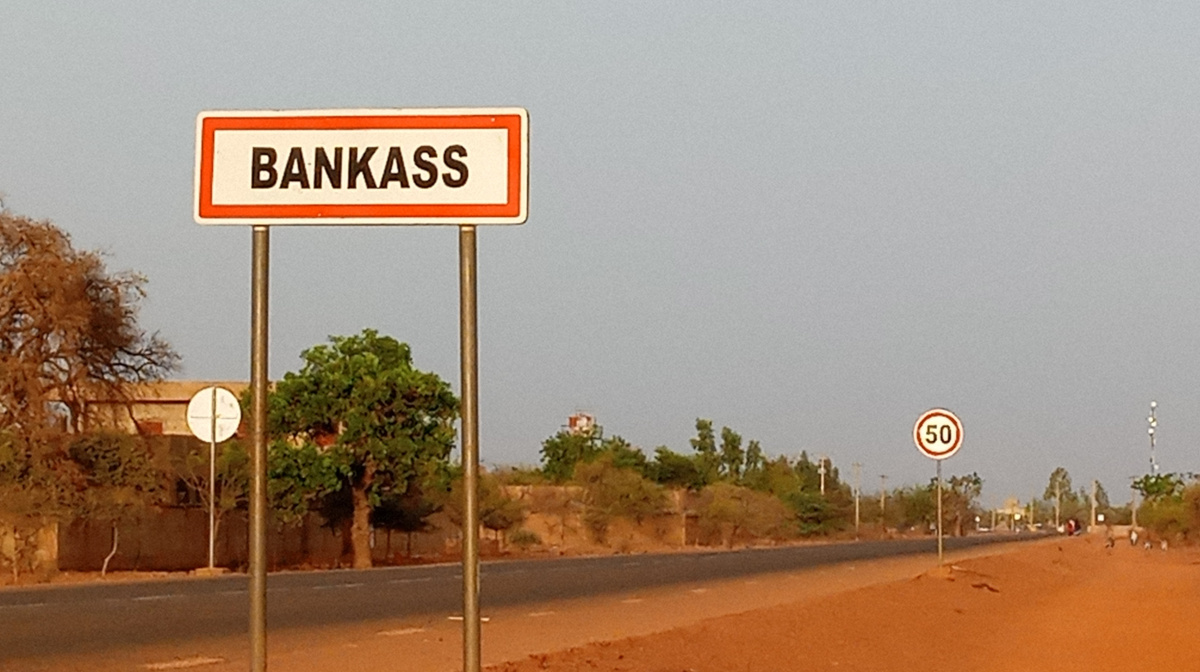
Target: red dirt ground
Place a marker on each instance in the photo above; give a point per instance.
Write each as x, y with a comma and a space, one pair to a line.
1066, 605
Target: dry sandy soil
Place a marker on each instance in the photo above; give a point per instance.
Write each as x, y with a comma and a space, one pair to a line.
1066, 605
1062, 605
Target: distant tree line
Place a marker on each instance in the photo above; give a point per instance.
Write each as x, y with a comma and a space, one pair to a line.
744, 491
359, 436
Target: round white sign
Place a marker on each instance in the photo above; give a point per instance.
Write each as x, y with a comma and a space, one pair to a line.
209, 402
938, 433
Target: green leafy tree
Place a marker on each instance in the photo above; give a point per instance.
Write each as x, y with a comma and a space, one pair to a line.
754, 460
917, 506
564, 450
37, 486
1155, 487
774, 476
733, 458
738, 512
814, 514
625, 455
808, 472
1173, 516
407, 513
1058, 492
360, 410
676, 470
705, 445
960, 501
301, 477
497, 511
611, 491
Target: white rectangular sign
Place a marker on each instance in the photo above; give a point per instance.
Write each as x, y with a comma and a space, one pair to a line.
425, 166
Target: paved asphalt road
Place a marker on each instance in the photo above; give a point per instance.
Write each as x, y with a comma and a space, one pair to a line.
84, 618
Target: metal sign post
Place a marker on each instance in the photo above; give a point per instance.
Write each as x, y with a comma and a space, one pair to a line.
939, 511
212, 485
258, 456
938, 435
469, 351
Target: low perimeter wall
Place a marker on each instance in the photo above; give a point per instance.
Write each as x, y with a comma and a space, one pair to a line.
177, 539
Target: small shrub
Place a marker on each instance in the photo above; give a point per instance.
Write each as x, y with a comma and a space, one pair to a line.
524, 539
597, 521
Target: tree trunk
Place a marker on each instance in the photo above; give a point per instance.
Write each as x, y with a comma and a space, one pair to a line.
16, 556
115, 537
216, 539
360, 529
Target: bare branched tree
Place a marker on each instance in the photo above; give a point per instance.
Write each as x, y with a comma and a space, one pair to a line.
68, 331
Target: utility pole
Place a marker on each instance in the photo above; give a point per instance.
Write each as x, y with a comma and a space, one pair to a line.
1153, 422
1057, 501
883, 496
857, 487
1133, 506
821, 471
1093, 504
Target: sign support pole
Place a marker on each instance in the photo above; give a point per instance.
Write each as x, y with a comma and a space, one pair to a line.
469, 350
258, 459
212, 485
939, 511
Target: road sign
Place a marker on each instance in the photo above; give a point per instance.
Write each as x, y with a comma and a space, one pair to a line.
204, 405
417, 166
938, 433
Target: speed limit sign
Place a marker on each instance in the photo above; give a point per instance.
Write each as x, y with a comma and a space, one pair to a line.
938, 433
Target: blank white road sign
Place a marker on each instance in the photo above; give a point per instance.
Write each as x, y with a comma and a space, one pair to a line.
938, 433
201, 409
417, 166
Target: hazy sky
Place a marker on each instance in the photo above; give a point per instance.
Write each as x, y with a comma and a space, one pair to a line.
807, 221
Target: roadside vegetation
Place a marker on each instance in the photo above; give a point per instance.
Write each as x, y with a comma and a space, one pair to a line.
68, 333
362, 441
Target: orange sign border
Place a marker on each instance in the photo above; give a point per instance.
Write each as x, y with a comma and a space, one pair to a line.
212, 213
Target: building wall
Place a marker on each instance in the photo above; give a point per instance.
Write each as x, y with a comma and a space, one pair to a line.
176, 539
154, 408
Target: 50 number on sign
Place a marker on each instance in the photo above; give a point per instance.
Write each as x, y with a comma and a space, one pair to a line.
935, 434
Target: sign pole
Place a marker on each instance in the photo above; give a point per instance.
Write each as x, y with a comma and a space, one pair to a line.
212, 484
213, 415
938, 435
939, 511
258, 458
469, 350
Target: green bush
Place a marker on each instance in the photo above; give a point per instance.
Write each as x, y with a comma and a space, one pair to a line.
524, 539
733, 512
1174, 517
614, 492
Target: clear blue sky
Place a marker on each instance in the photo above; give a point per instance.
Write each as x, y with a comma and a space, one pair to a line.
807, 221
